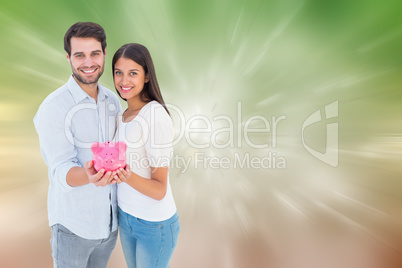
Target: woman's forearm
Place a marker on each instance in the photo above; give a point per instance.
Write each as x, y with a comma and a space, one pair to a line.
154, 187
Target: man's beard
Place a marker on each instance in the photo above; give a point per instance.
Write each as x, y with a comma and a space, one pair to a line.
88, 81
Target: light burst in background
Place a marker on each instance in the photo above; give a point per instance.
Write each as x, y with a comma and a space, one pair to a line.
273, 58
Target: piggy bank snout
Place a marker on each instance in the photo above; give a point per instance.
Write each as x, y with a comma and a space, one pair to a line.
109, 161
108, 156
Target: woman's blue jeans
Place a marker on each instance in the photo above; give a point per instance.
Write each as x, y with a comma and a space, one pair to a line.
148, 244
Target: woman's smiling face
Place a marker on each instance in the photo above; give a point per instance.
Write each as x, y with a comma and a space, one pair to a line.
129, 78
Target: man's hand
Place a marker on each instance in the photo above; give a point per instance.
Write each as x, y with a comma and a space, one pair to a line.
98, 178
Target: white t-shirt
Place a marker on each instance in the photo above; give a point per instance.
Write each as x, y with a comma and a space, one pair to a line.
149, 139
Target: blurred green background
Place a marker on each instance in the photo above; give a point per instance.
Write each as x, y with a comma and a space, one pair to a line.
273, 58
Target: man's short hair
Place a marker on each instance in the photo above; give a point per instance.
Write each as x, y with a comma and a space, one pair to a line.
84, 29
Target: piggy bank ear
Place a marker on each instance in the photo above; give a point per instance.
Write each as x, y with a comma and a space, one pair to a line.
95, 147
122, 146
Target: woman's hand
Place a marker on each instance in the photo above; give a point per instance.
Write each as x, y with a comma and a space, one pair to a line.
122, 175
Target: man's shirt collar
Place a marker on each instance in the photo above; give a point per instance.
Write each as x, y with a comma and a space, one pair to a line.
79, 94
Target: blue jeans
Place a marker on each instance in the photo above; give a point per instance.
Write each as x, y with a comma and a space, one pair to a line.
148, 244
70, 250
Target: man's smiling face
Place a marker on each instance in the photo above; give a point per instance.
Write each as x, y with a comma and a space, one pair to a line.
87, 59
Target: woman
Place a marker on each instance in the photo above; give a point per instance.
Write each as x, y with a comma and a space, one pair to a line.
148, 220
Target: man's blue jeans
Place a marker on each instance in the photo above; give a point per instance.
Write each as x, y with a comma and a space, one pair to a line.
148, 244
70, 250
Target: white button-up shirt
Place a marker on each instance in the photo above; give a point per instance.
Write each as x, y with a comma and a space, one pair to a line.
68, 122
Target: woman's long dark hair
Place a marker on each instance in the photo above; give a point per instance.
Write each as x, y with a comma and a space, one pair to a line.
141, 56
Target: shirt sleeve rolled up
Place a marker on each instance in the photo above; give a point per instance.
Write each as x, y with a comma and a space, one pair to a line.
56, 143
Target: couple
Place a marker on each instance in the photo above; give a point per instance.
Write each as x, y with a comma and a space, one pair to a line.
82, 203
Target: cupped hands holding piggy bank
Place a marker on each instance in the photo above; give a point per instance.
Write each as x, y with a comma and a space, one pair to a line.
109, 156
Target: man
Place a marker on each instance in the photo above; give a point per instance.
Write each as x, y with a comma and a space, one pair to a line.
82, 216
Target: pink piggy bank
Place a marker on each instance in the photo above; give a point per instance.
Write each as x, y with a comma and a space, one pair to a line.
109, 155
